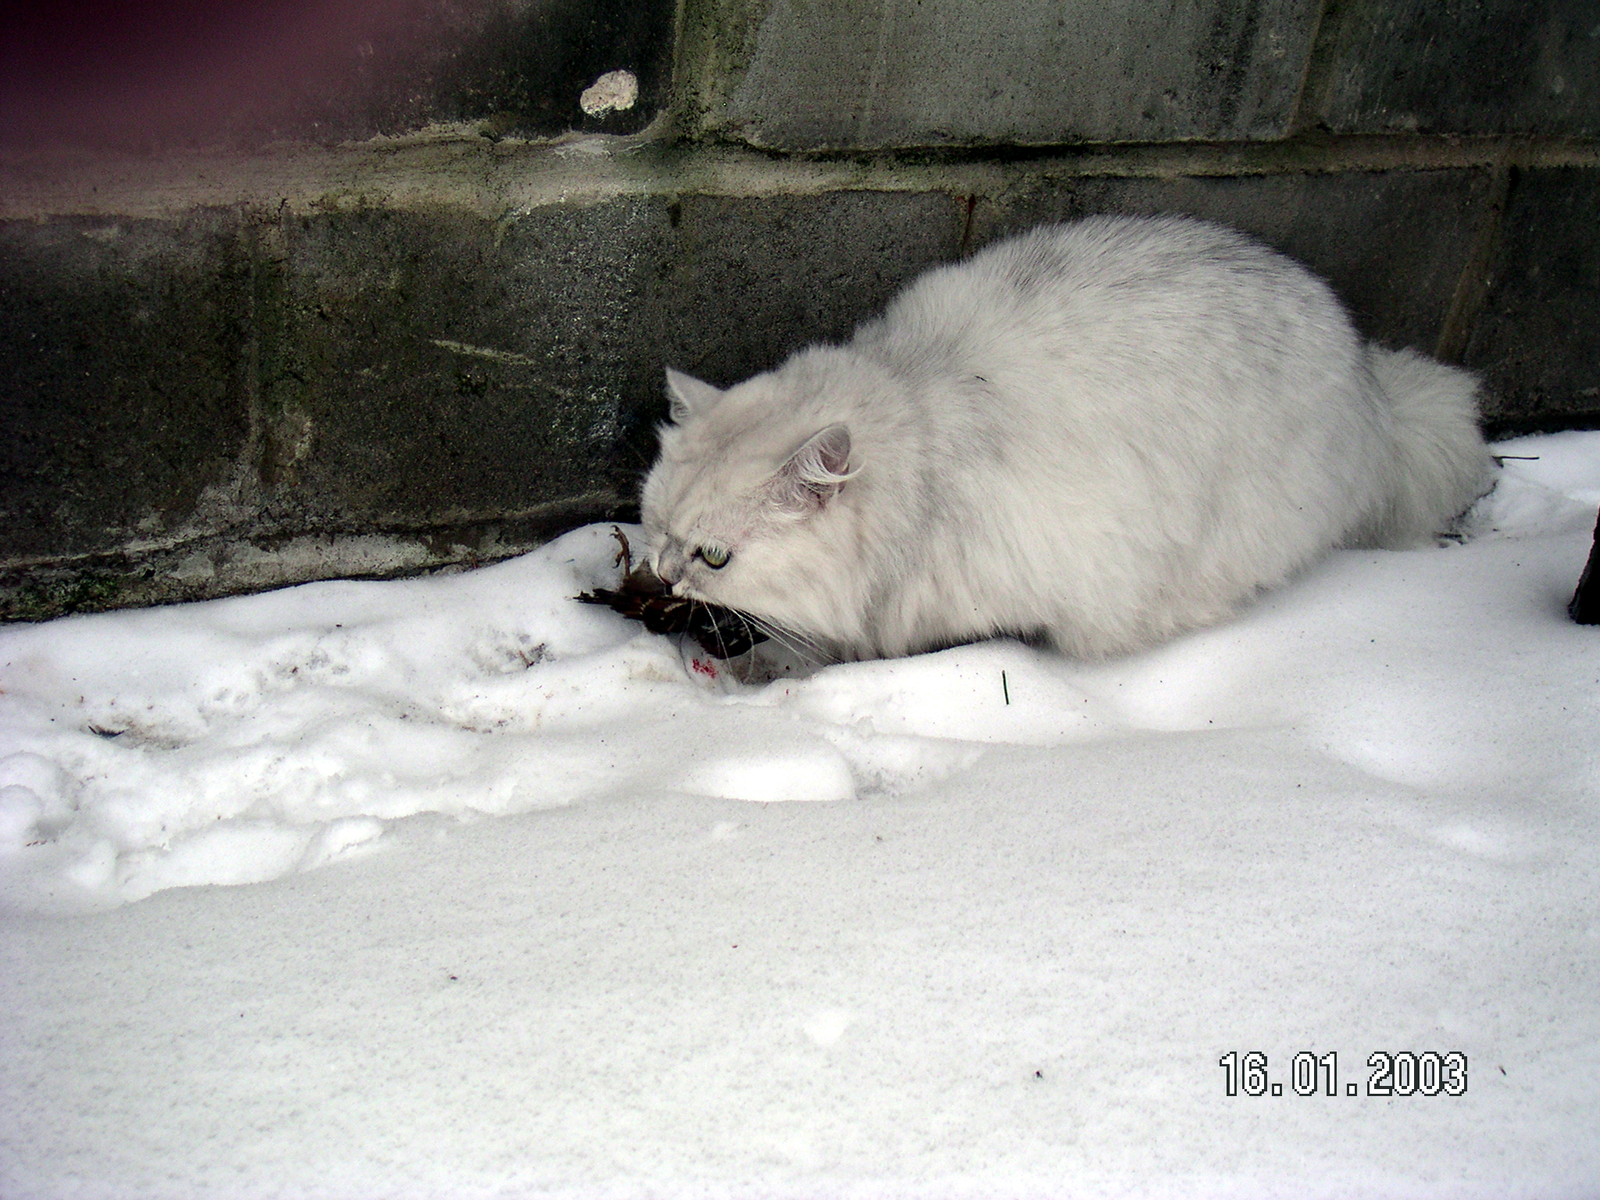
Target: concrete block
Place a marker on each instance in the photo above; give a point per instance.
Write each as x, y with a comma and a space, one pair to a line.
1460, 66
440, 366
1392, 243
1537, 338
124, 379
199, 74
751, 280
862, 74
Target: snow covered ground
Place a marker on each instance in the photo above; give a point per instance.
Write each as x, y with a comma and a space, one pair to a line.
525, 914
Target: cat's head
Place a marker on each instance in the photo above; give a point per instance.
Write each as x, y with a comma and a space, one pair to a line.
746, 506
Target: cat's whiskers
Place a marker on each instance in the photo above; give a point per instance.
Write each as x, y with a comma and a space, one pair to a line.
802, 645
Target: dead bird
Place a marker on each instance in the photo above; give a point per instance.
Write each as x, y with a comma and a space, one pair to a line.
642, 596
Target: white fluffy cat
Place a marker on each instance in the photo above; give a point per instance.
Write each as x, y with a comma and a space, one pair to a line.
1102, 433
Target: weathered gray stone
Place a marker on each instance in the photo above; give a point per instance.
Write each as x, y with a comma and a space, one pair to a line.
430, 367
1460, 66
751, 280
202, 73
1537, 339
124, 390
1392, 243
864, 74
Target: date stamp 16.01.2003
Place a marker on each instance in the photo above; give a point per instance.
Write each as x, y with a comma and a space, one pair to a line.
1390, 1073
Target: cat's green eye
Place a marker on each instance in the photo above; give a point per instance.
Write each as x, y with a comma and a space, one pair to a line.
714, 557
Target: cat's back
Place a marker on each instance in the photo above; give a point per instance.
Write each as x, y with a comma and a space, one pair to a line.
1107, 285
1122, 251
1116, 335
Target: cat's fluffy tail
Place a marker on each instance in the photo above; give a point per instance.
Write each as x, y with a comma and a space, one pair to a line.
1441, 464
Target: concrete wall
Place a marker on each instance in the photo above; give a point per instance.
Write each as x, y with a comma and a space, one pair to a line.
383, 297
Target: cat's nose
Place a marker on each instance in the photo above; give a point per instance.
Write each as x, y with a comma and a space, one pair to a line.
666, 569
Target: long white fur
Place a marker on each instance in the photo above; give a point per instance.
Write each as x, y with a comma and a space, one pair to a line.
1104, 433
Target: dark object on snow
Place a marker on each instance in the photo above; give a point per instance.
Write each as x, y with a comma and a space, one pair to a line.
1585, 606
721, 632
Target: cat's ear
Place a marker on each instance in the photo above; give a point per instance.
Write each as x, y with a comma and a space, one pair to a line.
688, 396
814, 473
